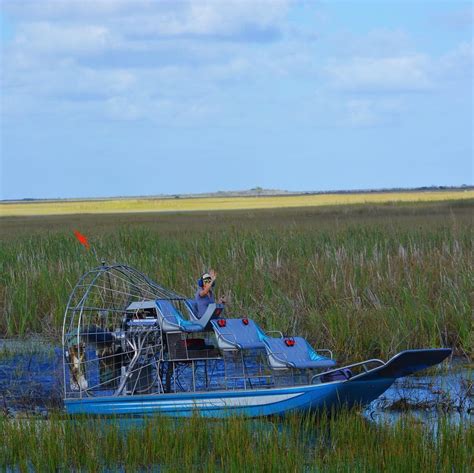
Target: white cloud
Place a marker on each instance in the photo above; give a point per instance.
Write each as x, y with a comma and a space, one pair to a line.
374, 88
458, 63
158, 59
158, 18
398, 73
50, 38
367, 112
137, 59
379, 42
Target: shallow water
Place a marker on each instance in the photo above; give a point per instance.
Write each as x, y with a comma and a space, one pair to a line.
30, 377
31, 382
447, 391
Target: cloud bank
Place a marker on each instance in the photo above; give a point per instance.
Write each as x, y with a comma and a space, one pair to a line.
145, 59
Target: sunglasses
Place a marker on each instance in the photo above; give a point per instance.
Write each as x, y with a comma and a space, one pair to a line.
207, 280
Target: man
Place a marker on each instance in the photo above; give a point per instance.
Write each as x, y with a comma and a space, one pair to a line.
205, 295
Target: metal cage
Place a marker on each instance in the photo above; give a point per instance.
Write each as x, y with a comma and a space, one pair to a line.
109, 348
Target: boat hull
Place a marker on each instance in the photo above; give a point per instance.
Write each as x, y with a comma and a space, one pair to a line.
358, 390
254, 403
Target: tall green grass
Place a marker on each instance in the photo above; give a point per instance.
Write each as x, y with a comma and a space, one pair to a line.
346, 442
363, 281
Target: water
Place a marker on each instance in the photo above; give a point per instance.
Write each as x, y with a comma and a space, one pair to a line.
31, 382
448, 391
30, 377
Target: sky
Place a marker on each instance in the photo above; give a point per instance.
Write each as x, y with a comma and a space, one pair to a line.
144, 97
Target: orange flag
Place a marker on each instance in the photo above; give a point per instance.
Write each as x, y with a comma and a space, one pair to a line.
82, 239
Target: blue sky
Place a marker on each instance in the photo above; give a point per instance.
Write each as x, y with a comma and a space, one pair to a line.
144, 97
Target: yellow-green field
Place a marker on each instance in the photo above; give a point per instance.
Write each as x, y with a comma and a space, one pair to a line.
221, 203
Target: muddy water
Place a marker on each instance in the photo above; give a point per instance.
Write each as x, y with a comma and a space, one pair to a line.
31, 382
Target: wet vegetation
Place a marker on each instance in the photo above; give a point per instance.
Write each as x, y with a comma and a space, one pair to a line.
346, 442
362, 280
365, 281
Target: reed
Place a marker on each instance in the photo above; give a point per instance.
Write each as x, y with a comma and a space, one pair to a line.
346, 442
362, 280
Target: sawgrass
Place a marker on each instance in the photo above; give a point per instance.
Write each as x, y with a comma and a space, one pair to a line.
346, 442
365, 281
221, 203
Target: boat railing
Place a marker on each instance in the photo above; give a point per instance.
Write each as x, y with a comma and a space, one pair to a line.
363, 364
282, 359
274, 331
222, 335
325, 350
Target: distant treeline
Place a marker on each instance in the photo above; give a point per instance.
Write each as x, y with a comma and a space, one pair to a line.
255, 192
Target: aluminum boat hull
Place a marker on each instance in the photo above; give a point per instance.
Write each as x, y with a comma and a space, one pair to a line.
360, 389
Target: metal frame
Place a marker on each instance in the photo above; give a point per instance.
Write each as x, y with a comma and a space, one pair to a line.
101, 299
353, 365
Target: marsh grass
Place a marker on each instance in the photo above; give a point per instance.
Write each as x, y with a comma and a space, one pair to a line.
121, 205
30, 347
361, 280
346, 442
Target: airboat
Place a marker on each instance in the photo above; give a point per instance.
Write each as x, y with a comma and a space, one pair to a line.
133, 347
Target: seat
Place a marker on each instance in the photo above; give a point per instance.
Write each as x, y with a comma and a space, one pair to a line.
238, 334
213, 311
171, 320
294, 352
192, 308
